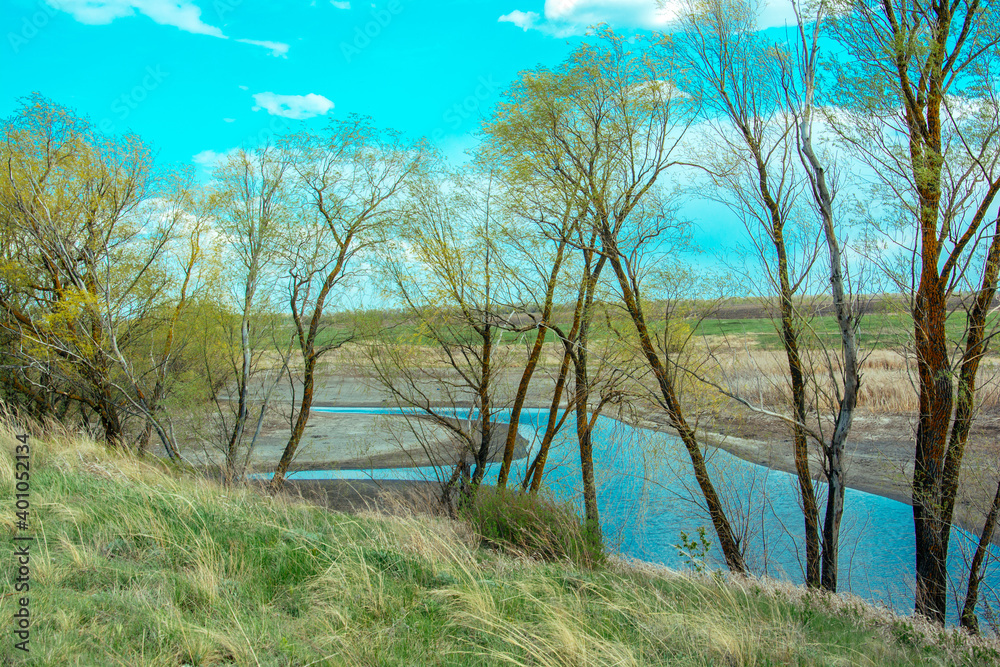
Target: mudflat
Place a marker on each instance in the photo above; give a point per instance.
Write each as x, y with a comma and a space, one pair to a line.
879, 456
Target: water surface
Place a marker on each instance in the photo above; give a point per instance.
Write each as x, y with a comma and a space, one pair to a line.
647, 496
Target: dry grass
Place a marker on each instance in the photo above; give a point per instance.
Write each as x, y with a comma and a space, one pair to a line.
139, 564
887, 385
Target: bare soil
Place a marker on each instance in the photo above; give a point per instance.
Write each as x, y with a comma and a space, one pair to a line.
367, 442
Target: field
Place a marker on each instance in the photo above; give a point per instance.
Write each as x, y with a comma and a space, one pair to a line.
885, 331
738, 349
885, 323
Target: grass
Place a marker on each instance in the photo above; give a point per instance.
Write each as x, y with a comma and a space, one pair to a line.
138, 564
887, 323
878, 330
531, 525
887, 385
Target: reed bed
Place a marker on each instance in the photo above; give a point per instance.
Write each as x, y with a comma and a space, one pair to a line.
888, 384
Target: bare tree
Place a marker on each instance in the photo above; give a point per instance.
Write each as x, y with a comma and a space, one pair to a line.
554, 216
734, 72
603, 127
800, 87
919, 106
347, 180
252, 212
85, 248
443, 265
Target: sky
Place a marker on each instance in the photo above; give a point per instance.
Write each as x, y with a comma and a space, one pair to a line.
196, 78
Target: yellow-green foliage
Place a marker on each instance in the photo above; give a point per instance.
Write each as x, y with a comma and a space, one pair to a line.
138, 564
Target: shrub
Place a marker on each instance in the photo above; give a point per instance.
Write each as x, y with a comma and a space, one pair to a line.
531, 525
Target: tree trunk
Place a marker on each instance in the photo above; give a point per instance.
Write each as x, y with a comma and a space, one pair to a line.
485, 409
529, 370
975, 349
834, 451
569, 341
931, 527
583, 434
533, 476
789, 337
515, 411
723, 530
108, 412
582, 395
305, 406
243, 390
969, 620
111, 423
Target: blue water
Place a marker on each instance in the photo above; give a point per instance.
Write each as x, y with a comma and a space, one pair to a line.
647, 495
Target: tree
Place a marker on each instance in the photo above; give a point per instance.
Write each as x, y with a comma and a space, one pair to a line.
582, 270
444, 267
555, 225
602, 127
347, 180
83, 276
800, 86
968, 617
918, 85
250, 202
734, 71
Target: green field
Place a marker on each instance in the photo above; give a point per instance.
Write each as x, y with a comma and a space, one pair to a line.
876, 330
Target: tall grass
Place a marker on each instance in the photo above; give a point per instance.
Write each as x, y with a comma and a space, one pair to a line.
531, 525
887, 386
138, 564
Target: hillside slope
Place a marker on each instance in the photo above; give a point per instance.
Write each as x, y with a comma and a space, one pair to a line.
135, 564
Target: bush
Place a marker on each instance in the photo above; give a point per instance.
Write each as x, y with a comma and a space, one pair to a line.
531, 525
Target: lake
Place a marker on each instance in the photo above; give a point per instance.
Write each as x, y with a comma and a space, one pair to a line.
647, 496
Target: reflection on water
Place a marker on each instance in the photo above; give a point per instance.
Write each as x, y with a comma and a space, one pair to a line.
647, 495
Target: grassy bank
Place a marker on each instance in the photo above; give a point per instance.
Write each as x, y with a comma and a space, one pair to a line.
136, 564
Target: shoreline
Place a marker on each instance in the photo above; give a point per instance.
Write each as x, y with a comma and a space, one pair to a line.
871, 475
743, 448
441, 448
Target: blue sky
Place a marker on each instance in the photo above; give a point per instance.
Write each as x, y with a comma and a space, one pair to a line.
197, 77
175, 72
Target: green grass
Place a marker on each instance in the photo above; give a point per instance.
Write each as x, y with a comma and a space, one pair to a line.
877, 330
137, 564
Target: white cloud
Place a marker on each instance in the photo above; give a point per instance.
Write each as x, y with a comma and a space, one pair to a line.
278, 49
229, 120
244, 88
776, 13
572, 17
340, 5
522, 20
297, 107
181, 14
209, 159
632, 13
